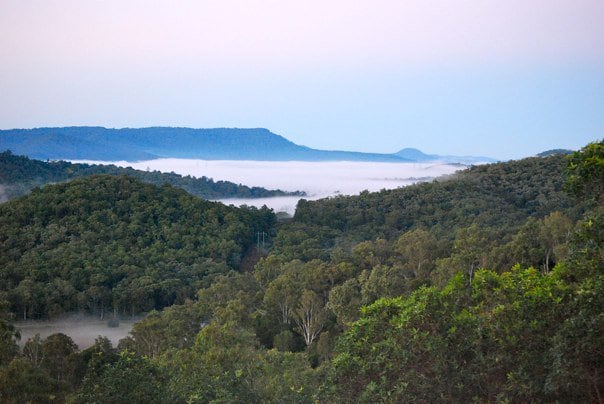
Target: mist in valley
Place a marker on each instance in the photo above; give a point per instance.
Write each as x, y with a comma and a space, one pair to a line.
317, 179
83, 329
3, 193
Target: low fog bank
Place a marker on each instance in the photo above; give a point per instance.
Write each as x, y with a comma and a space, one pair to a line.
3, 194
317, 179
83, 329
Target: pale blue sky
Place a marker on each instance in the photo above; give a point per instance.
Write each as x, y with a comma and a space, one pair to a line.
499, 78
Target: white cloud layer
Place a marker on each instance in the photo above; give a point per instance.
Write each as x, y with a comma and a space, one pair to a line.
317, 179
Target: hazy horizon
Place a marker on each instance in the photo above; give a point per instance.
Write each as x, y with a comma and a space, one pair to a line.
506, 79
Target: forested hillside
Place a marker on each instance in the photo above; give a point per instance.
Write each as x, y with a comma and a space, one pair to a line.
105, 242
487, 286
493, 195
19, 174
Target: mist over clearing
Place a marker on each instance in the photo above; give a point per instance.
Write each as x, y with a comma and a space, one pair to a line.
83, 329
317, 179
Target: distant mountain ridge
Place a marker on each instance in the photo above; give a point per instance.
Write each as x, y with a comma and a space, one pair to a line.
419, 156
98, 143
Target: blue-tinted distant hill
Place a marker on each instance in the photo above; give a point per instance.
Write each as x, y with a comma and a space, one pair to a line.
418, 156
98, 143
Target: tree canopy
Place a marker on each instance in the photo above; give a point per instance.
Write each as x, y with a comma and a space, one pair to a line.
103, 242
487, 286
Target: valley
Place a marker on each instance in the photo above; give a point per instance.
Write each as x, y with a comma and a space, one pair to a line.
233, 202
316, 179
393, 293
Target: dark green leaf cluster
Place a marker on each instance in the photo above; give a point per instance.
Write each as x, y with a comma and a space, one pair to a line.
586, 172
520, 336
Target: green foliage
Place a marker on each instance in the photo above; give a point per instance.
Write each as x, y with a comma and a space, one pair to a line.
524, 248
585, 255
496, 195
8, 342
470, 252
19, 175
59, 356
376, 298
345, 301
130, 379
585, 172
288, 377
553, 236
21, 382
32, 350
418, 250
219, 367
227, 365
295, 299
299, 241
576, 350
47, 370
104, 242
284, 341
508, 337
96, 357
173, 328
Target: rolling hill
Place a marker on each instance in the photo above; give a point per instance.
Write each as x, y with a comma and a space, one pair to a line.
105, 241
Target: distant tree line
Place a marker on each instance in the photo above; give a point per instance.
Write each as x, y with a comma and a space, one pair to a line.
19, 174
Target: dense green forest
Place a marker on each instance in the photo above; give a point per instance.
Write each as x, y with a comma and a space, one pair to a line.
113, 242
487, 286
491, 196
19, 175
